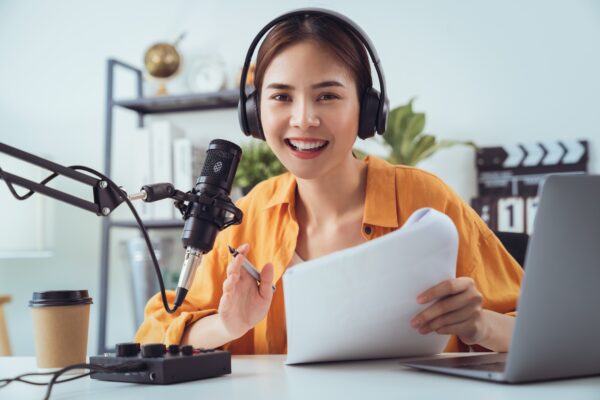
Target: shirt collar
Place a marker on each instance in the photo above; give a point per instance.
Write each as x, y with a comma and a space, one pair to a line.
285, 193
380, 200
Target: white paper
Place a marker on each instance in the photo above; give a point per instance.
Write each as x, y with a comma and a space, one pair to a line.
357, 303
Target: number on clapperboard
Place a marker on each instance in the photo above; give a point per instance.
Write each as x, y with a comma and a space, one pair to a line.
511, 214
532, 205
485, 214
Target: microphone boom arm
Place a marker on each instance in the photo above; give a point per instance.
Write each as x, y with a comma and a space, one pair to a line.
106, 198
215, 209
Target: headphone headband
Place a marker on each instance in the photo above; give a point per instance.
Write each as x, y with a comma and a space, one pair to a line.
356, 30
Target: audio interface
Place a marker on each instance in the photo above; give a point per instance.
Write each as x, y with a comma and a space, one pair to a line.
162, 365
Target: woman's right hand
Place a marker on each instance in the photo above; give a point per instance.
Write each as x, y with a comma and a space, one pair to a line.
244, 303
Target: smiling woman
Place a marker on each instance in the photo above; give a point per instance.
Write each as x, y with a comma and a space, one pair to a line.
313, 98
312, 112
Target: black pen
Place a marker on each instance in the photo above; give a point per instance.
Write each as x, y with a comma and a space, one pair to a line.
248, 267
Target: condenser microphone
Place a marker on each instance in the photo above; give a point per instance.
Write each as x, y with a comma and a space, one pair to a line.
210, 211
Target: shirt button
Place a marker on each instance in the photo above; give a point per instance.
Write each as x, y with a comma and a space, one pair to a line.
368, 230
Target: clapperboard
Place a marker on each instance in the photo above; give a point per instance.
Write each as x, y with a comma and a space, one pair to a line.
508, 179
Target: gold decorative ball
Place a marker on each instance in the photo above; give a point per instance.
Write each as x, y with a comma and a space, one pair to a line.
162, 60
249, 76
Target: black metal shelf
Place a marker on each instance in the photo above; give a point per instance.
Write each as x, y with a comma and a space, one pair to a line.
141, 105
158, 224
180, 103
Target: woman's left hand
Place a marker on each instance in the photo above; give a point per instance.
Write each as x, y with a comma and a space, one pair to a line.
457, 310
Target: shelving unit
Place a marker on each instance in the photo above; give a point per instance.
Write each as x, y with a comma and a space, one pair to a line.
225, 99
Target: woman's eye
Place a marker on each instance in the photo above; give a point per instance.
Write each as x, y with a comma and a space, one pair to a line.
281, 97
328, 96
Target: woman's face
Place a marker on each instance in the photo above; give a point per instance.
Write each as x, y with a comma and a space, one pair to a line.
309, 110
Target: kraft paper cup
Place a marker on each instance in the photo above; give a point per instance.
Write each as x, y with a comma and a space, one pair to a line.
60, 327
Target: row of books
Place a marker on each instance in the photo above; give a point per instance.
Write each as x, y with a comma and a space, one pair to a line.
165, 154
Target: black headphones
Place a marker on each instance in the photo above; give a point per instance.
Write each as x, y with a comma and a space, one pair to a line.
374, 106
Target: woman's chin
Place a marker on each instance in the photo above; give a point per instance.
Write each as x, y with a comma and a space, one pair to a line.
316, 168
309, 170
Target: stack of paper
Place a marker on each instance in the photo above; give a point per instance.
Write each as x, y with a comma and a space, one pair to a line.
357, 303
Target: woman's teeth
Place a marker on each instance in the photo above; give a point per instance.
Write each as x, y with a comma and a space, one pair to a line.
301, 145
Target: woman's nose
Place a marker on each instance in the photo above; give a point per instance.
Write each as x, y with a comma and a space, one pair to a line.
304, 116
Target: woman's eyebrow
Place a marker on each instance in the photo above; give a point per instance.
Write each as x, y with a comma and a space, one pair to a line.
325, 84
320, 85
280, 86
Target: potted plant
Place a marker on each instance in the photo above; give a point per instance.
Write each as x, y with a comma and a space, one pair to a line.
257, 164
406, 141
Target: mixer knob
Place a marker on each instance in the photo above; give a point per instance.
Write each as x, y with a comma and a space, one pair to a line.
153, 350
127, 349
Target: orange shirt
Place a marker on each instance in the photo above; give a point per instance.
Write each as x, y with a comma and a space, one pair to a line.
393, 193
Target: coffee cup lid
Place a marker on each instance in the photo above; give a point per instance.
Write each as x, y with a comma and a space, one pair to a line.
60, 298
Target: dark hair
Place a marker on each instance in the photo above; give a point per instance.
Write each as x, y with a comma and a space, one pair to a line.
324, 30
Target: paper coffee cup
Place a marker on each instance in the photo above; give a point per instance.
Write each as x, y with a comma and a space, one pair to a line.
60, 327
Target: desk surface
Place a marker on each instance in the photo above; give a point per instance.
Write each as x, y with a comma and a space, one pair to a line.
266, 377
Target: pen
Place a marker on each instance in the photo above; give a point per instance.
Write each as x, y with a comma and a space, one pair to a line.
248, 267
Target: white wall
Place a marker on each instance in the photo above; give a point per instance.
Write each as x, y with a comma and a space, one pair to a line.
495, 72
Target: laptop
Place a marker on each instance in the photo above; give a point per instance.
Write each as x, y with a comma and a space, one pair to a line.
557, 328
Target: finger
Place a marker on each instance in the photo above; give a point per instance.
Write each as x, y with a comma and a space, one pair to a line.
230, 282
451, 318
266, 281
230, 266
243, 254
449, 304
235, 264
445, 288
243, 249
467, 331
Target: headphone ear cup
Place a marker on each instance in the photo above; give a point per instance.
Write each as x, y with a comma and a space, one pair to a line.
242, 118
369, 104
382, 120
253, 117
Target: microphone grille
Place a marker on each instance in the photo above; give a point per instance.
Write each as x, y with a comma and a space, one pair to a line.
218, 163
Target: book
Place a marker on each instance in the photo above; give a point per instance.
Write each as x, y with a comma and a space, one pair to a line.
162, 135
188, 160
141, 171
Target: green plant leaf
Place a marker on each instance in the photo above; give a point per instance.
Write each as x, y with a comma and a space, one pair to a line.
405, 138
424, 143
414, 127
257, 164
359, 154
397, 122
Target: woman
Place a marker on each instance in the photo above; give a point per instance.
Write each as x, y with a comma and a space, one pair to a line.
311, 72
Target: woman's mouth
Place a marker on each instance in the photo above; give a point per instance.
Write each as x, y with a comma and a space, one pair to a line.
304, 148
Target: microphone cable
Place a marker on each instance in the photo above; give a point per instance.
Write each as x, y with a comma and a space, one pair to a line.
129, 366
123, 193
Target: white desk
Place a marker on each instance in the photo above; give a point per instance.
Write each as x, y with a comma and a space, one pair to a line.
266, 377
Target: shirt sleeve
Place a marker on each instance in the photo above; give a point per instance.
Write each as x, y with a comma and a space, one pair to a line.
202, 300
481, 256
